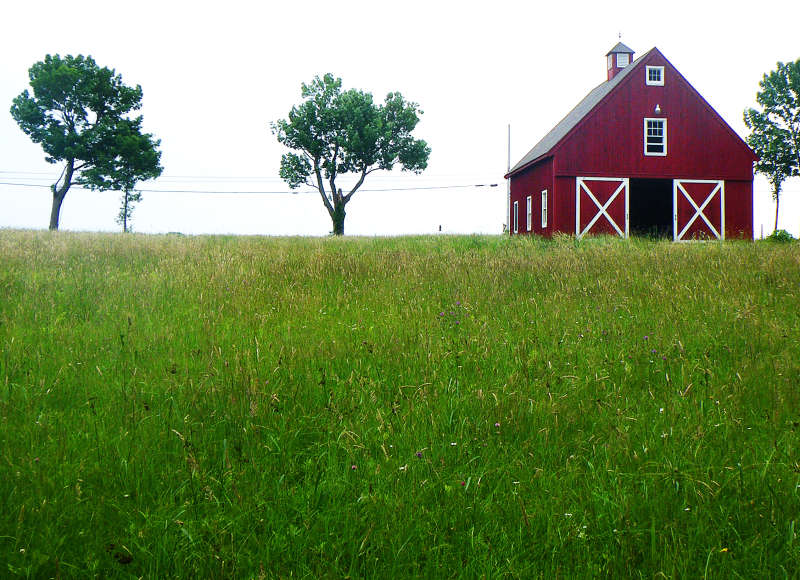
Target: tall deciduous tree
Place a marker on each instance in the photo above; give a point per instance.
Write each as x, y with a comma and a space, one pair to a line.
337, 132
80, 114
775, 135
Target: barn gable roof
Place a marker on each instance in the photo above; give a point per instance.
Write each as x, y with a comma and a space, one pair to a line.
575, 116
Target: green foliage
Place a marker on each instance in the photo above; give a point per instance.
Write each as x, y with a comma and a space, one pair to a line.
775, 135
478, 406
781, 236
337, 132
79, 114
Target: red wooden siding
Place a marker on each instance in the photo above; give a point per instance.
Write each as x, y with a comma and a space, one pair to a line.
564, 218
532, 181
610, 139
739, 209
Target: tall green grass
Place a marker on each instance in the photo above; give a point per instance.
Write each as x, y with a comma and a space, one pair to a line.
433, 407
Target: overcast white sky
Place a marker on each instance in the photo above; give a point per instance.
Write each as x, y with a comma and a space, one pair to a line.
215, 74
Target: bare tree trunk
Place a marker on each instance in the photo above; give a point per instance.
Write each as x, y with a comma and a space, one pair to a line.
55, 211
337, 217
777, 205
125, 214
59, 193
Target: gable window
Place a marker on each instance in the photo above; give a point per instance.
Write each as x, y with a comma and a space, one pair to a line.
544, 208
529, 213
623, 58
655, 76
516, 217
655, 137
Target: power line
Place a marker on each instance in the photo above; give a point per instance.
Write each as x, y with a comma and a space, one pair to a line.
418, 188
48, 175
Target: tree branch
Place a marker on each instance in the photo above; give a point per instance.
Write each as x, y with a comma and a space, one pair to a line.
66, 176
321, 188
358, 184
332, 177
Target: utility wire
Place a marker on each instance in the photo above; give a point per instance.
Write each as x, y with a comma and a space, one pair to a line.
420, 188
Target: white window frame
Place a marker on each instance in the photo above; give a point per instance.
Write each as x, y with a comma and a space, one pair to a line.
654, 83
663, 122
623, 59
544, 208
610, 61
516, 217
529, 215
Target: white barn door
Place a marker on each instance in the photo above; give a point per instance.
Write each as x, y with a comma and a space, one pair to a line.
601, 205
698, 209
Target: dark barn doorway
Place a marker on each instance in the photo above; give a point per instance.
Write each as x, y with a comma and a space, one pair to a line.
650, 208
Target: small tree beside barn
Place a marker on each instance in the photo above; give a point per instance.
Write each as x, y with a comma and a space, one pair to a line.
642, 153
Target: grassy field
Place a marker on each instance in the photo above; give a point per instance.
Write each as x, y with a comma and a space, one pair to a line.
434, 407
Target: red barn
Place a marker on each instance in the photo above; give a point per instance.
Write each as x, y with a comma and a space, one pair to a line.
643, 153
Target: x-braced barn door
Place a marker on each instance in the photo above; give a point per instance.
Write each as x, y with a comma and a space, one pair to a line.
601, 205
699, 209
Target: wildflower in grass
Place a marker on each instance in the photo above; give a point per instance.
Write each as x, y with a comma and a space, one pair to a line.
354, 467
419, 454
453, 444
463, 483
458, 303
646, 337
497, 424
653, 351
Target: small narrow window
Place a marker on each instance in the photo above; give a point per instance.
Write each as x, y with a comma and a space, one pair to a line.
544, 208
529, 213
655, 137
516, 217
623, 58
610, 61
655, 75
